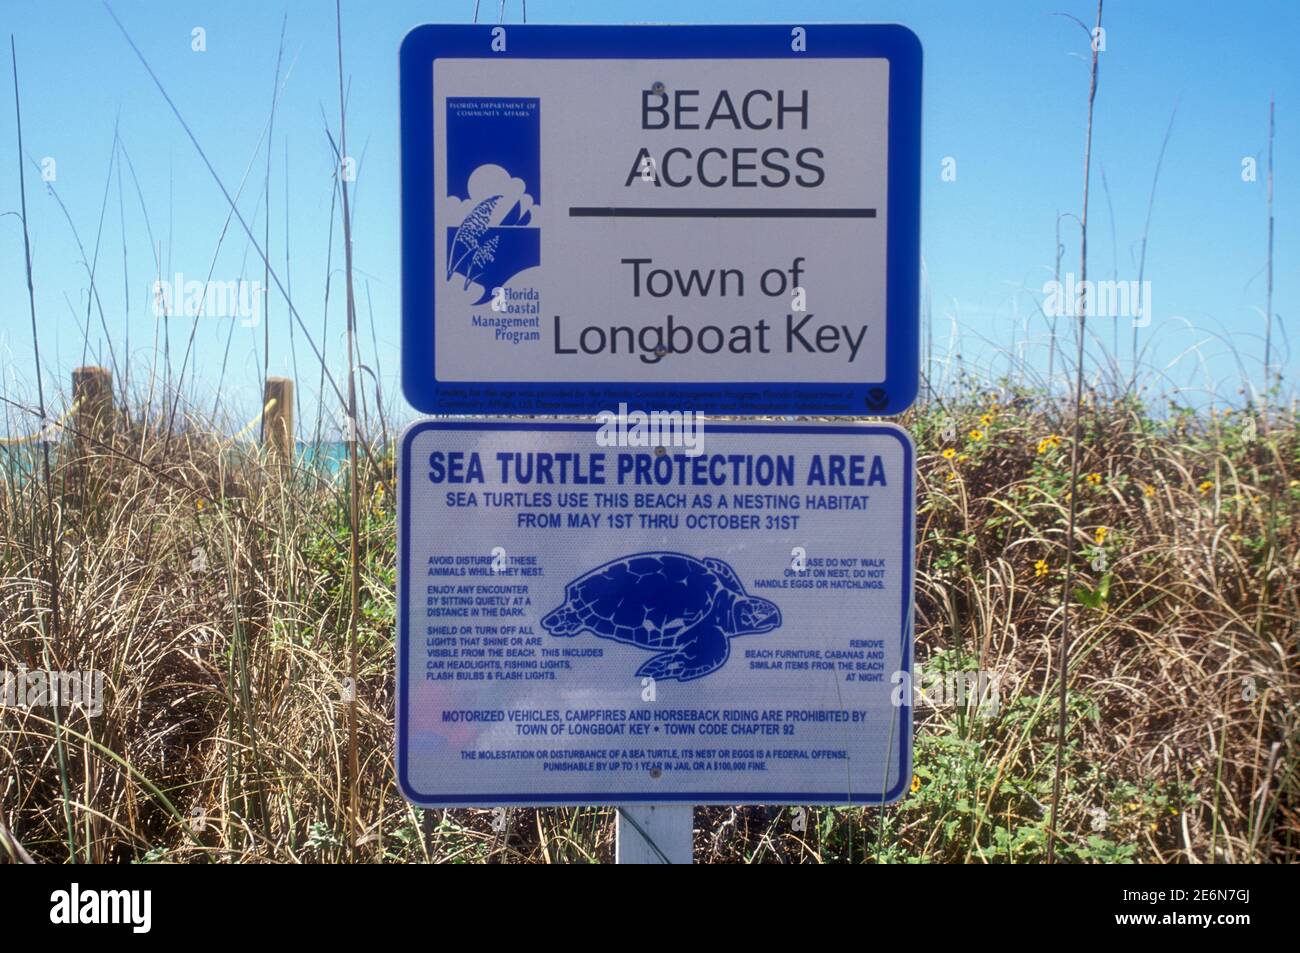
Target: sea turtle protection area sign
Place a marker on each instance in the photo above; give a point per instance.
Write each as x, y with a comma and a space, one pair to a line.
585, 620
719, 219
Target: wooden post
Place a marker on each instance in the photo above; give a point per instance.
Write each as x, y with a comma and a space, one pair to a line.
654, 834
92, 395
277, 427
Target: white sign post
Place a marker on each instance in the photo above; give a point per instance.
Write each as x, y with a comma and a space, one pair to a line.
654, 834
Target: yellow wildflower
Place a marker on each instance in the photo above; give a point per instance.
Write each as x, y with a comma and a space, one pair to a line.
1094, 479
1100, 535
1040, 568
1206, 487
916, 783
976, 435
1148, 489
949, 453
986, 420
198, 504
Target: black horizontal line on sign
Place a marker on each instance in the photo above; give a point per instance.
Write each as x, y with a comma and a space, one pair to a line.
615, 211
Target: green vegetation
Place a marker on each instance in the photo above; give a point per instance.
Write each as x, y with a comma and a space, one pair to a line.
214, 594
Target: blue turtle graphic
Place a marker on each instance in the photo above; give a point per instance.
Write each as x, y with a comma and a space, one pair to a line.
684, 608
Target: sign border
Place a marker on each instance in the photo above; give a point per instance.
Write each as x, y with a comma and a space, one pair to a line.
650, 797
899, 45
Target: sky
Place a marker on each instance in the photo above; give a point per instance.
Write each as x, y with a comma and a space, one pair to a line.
1004, 106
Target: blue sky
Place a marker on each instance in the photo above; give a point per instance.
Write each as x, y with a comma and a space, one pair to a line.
1005, 96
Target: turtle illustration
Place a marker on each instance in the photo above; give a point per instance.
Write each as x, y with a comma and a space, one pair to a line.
684, 608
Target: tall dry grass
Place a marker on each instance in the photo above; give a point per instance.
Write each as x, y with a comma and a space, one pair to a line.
215, 597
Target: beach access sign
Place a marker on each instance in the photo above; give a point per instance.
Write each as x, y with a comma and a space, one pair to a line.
584, 619
712, 218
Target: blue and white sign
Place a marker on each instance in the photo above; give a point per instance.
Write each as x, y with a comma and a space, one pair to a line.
706, 218
586, 616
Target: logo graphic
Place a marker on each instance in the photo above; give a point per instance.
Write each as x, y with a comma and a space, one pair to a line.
685, 609
493, 188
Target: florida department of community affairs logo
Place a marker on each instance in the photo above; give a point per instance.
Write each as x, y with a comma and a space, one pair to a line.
494, 191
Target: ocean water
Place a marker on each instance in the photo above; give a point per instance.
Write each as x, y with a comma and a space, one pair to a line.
18, 462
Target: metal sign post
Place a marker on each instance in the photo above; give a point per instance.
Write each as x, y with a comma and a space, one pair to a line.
655, 834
